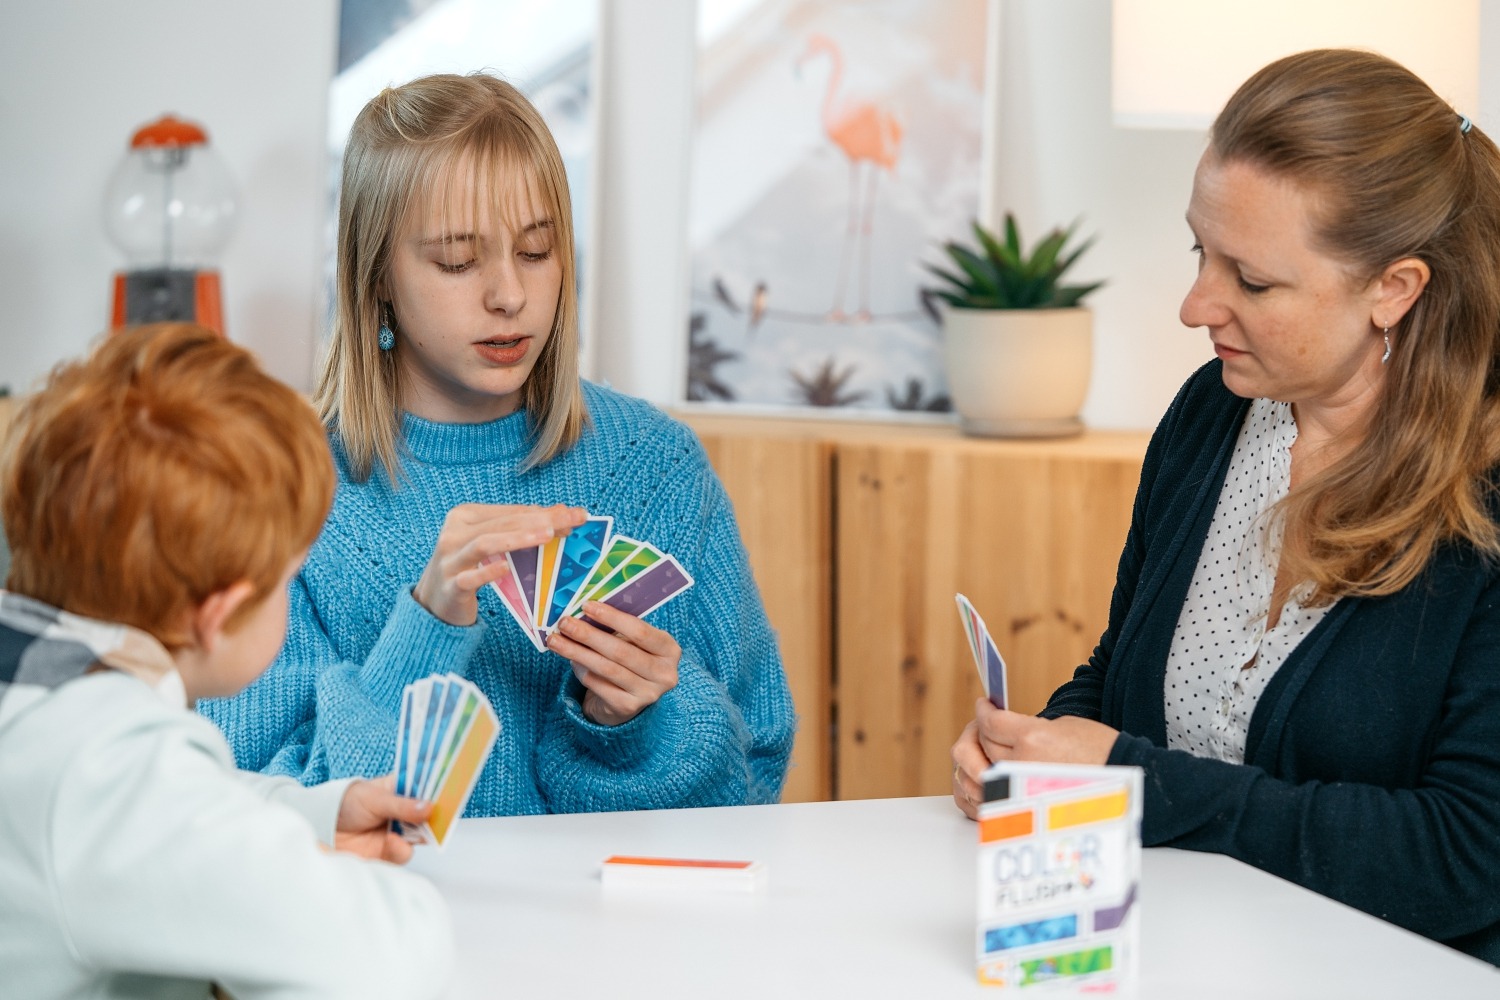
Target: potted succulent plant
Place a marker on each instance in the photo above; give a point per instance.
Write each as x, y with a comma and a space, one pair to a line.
1017, 343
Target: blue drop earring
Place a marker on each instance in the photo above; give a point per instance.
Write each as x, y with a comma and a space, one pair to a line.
387, 335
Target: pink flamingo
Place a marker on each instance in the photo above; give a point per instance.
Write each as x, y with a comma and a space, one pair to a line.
870, 137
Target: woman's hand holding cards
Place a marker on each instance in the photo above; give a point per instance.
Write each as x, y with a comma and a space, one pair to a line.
469, 547
623, 673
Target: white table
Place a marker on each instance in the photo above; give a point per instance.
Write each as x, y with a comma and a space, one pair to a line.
872, 898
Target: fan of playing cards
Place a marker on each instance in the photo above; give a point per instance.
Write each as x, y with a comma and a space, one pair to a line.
986, 657
446, 731
554, 580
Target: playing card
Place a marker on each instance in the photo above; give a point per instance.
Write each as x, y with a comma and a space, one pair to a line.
555, 579
466, 701
580, 552
641, 560
966, 615
445, 733
546, 576
523, 568
620, 549
468, 761
412, 736
987, 658
402, 725
648, 590
439, 709
510, 595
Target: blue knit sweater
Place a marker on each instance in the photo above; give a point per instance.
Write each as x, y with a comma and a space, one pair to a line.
328, 706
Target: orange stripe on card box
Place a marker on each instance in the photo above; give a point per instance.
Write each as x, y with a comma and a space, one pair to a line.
619, 859
1016, 824
1094, 810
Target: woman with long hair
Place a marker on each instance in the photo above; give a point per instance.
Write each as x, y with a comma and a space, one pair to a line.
1303, 650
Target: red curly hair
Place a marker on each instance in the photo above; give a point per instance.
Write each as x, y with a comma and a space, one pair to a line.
163, 468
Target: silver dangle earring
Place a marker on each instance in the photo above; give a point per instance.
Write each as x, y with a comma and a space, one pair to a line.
1386, 332
387, 335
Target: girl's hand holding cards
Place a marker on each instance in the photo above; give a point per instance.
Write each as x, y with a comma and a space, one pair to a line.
474, 536
583, 597
623, 672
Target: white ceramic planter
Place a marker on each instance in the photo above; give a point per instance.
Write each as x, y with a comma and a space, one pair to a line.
1019, 372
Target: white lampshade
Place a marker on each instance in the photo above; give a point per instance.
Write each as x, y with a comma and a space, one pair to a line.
1177, 61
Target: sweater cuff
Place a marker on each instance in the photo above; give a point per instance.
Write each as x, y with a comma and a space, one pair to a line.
625, 746
321, 805
1129, 750
415, 644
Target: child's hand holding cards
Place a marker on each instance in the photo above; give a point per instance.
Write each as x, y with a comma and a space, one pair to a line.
554, 580
446, 731
986, 657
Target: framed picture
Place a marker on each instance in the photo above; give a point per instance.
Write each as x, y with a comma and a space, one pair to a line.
837, 144
546, 48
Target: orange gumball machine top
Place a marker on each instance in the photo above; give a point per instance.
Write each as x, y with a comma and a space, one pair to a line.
170, 208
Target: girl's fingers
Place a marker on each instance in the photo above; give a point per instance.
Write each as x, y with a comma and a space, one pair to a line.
612, 647
617, 674
643, 636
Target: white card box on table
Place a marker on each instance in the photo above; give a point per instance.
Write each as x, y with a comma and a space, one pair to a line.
1059, 878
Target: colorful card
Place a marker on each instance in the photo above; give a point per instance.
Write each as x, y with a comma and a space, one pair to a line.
1059, 877
986, 655
509, 589
643, 558
554, 580
581, 550
649, 590
444, 736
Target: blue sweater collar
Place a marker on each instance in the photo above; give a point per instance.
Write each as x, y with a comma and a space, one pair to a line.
507, 440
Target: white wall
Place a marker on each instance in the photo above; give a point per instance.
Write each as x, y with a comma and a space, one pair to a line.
1062, 159
77, 76
638, 309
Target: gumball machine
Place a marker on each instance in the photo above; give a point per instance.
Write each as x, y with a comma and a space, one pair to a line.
170, 209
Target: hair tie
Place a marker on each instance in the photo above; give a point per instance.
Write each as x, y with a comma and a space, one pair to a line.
1464, 124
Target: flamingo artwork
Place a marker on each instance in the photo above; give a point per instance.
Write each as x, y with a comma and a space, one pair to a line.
870, 138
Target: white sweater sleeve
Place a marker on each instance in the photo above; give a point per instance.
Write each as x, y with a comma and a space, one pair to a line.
319, 804
166, 864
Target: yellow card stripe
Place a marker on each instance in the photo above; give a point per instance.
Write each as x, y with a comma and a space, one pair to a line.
1094, 810
545, 566
461, 776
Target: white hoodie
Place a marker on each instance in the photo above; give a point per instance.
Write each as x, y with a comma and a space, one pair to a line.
136, 861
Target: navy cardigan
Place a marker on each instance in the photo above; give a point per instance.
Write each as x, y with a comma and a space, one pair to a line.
1372, 762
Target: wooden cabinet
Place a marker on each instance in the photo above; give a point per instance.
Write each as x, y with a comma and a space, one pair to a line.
859, 536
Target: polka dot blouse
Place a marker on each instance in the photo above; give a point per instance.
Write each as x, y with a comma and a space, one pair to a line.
1222, 655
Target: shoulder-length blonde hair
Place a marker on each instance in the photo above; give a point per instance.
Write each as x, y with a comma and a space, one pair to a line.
406, 147
1399, 174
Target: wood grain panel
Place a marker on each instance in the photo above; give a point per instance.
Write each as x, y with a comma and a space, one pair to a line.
1030, 531
781, 491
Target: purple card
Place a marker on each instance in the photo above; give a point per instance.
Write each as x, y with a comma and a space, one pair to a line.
986, 655
649, 590
510, 596
994, 669
523, 568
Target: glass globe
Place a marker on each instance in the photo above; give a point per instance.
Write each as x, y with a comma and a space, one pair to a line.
170, 206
